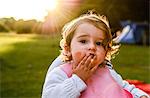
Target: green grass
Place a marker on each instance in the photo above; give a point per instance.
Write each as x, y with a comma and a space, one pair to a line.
24, 60
133, 62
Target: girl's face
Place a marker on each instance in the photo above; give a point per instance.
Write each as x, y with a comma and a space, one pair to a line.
87, 40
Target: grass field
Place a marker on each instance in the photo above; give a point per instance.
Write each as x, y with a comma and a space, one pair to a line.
24, 60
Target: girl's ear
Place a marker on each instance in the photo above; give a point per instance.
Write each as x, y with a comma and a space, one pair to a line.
66, 52
67, 48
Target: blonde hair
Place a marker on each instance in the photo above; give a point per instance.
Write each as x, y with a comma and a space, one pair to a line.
99, 21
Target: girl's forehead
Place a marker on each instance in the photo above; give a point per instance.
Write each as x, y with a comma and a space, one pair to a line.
86, 29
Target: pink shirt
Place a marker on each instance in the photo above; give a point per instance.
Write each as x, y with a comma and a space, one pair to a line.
100, 85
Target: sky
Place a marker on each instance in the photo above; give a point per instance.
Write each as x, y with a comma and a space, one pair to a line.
26, 9
38, 9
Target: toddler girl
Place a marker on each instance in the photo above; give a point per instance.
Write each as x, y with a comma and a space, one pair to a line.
86, 49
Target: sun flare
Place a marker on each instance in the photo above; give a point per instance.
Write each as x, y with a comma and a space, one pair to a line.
37, 9
52, 4
27, 9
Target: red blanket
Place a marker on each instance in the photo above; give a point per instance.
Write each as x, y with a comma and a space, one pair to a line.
141, 85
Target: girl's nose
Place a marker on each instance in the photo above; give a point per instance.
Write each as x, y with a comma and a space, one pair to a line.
92, 47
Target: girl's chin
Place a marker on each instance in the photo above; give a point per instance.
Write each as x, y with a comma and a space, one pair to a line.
98, 63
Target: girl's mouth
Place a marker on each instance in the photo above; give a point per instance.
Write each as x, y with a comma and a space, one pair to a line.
92, 55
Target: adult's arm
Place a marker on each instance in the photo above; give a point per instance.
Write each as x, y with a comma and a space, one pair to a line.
57, 62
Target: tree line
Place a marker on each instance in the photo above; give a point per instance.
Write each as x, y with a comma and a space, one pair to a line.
19, 26
115, 10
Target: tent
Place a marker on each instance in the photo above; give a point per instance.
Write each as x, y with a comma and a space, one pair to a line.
134, 33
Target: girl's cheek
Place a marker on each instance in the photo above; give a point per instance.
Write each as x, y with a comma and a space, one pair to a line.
79, 56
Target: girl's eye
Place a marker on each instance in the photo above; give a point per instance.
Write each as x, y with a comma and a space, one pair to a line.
99, 43
83, 41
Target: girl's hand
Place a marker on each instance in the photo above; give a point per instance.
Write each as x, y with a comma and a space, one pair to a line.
84, 69
143, 97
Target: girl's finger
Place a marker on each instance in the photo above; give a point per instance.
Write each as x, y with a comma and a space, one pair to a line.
83, 60
91, 62
88, 61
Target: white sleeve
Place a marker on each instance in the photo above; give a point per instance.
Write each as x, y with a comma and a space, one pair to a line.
137, 93
58, 85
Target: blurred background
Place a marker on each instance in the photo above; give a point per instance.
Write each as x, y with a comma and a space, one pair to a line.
30, 31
